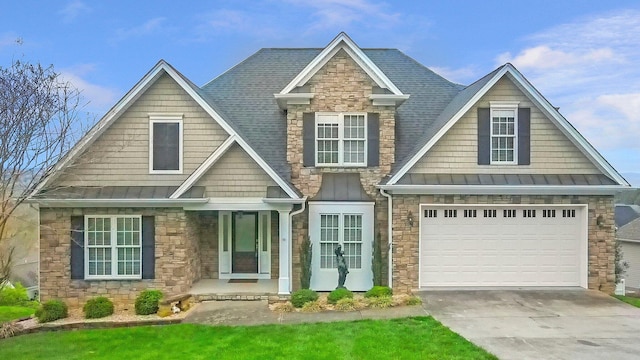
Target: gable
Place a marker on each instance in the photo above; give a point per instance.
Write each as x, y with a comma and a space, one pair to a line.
235, 174
341, 85
551, 151
120, 155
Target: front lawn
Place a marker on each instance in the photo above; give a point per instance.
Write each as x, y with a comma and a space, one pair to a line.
409, 338
629, 300
8, 313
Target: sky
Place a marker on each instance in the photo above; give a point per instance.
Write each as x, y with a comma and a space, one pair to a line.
582, 55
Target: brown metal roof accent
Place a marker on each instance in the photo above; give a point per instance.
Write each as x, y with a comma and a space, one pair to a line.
341, 187
119, 192
506, 179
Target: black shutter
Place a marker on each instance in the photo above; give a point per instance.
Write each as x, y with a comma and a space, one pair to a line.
77, 247
524, 136
373, 139
148, 247
484, 136
309, 139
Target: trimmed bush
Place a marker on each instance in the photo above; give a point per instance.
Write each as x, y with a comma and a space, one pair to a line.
413, 300
339, 294
52, 310
303, 296
16, 296
147, 302
98, 308
378, 291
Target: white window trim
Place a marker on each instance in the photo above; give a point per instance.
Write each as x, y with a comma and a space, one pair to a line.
114, 249
341, 139
167, 118
504, 105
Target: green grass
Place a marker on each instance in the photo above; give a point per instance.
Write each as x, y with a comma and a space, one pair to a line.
409, 338
629, 300
8, 313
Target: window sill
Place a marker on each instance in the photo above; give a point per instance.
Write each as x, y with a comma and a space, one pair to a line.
165, 172
111, 278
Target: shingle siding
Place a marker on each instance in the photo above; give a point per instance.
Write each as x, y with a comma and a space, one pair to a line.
236, 174
551, 151
120, 156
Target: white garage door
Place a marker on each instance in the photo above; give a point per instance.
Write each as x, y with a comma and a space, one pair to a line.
514, 245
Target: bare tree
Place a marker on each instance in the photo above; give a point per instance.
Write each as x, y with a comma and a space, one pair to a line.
38, 124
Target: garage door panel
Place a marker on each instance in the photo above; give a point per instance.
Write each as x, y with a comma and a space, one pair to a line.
535, 250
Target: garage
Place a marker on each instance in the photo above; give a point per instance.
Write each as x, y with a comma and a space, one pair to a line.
503, 246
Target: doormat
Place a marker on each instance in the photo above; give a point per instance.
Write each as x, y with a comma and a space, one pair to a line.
243, 281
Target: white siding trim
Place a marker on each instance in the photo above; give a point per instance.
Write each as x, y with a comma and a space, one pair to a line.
204, 167
342, 41
574, 136
504, 189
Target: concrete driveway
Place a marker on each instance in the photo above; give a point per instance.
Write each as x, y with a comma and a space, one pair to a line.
540, 324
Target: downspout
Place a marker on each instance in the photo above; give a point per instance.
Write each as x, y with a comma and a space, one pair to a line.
303, 207
390, 236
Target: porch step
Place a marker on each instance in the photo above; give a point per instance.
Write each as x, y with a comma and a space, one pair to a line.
239, 297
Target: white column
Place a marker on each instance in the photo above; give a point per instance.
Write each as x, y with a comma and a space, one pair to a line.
285, 247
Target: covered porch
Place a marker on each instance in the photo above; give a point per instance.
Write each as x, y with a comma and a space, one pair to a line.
243, 248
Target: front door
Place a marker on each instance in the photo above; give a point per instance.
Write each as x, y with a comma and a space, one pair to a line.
244, 244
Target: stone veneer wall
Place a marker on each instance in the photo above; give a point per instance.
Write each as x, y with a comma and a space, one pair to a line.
275, 245
601, 239
175, 266
340, 86
208, 235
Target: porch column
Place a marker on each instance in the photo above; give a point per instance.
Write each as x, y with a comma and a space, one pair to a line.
285, 246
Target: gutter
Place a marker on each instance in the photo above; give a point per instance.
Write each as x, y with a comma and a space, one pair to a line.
117, 202
390, 236
505, 189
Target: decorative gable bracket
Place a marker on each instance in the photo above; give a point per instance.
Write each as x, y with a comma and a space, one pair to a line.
293, 99
388, 99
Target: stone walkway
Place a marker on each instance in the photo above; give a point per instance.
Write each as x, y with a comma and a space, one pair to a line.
258, 313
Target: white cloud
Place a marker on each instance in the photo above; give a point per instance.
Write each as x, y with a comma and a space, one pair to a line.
99, 98
147, 28
589, 67
543, 58
342, 14
73, 10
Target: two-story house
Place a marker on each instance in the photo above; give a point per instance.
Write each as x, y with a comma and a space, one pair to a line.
479, 185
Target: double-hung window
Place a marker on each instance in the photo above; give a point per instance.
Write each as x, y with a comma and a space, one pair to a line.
113, 247
165, 144
504, 122
341, 139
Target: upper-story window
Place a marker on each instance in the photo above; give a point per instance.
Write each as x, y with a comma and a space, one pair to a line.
165, 144
341, 139
504, 132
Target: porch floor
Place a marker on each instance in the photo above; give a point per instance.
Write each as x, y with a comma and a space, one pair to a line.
218, 288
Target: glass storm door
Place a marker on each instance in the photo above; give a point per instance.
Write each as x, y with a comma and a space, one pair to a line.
244, 258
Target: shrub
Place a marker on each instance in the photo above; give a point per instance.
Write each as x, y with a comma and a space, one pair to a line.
16, 296
413, 300
303, 296
97, 308
338, 294
378, 291
346, 304
147, 302
283, 307
380, 302
312, 306
52, 310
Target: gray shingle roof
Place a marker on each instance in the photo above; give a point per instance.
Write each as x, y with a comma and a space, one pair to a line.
244, 97
630, 231
120, 192
341, 187
624, 214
